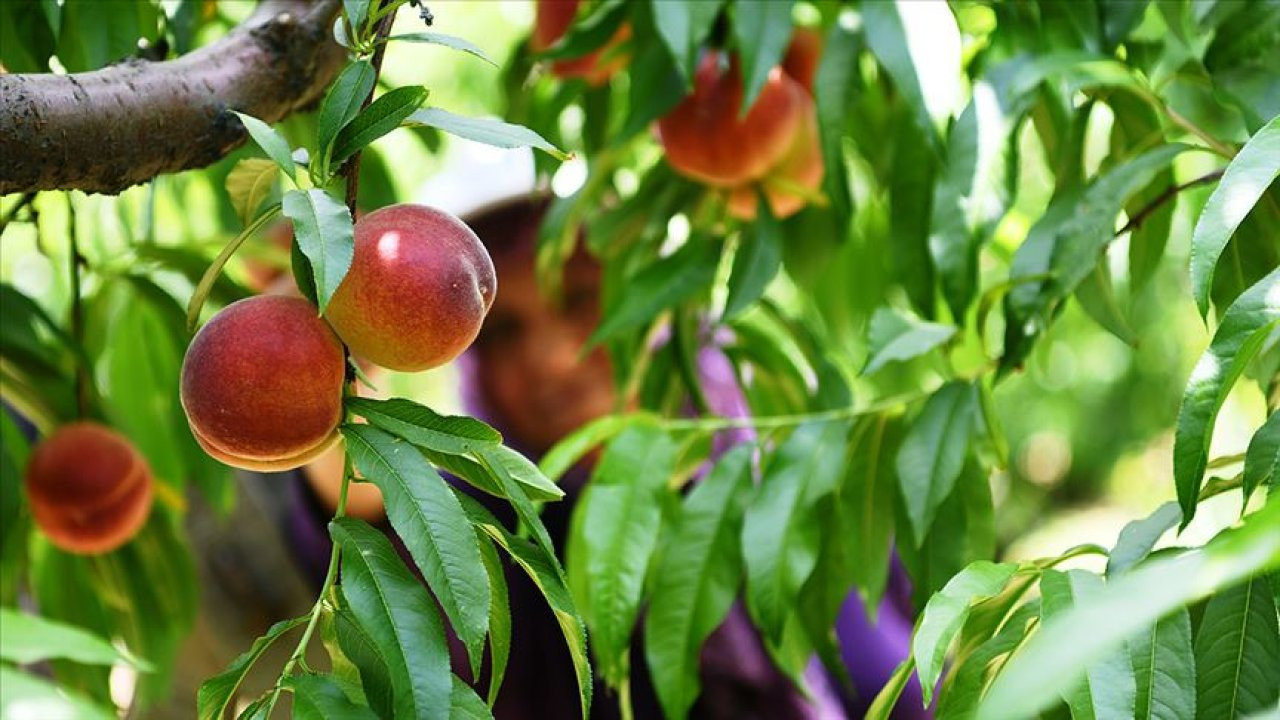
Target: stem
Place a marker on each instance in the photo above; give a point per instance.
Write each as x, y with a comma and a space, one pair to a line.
1164, 197
1213, 143
352, 169
77, 312
23, 201
713, 424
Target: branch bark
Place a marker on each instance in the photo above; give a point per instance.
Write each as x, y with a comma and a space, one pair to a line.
105, 130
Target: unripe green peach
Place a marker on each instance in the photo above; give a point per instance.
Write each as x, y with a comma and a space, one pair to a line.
418, 289
90, 490
262, 384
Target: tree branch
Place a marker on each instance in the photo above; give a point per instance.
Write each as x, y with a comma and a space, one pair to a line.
1170, 192
105, 130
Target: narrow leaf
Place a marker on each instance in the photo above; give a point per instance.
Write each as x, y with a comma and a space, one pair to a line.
427, 516
216, 693
1237, 651
29, 696
422, 426
30, 638
932, 454
660, 286
1138, 537
1165, 669
696, 580
465, 704
574, 446
867, 494
484, 130
895, 336
271, 142
1244, 326
1262, 459
342, 102
1248, 176
1055, 658
1108, 690
681, 25
499, 615
762, 30
398, 616
381, 117
946, 612
757, 260
449, 41
317, 697
612, 536
919, 45
325, 234
780, 538
248, 185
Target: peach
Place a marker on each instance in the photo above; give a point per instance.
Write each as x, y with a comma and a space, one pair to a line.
90, 490
706, 137
553, 19
802, 56
262, 384
418, 289
795, 179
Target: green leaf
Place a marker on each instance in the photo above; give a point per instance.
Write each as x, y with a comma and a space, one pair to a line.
932, 454
971, 674
271, 142
762, 30
422, 426
911, 193
398, 616
971, 196
571, 448
342, 103
657, 85
919, 45
1244, 326
95, 34
1098, 300
659, 286
895, 336
484, 130
1138, 537
946, 612
757, 260
522, 470
28, 696
612, 537
372, 664
357, 12
248, 185
381, 117
449, 41
1248, 176
30, 638
681, 25
834, 85
1066, 243
1237, 651
325, 234
501, 466
1056, 657
1262, 459
1108, 689
780, 538
867, 496
590, 33
887, 699
427, 516
695, 580
1135, 127
542, 568
465, 704
499, 615
1165, 669
217, 692
318, 697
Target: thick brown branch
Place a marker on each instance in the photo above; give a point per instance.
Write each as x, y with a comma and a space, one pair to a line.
106, 130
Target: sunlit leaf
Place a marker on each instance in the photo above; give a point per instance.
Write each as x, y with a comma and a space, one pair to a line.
1108, 688
30, 638
932, 454
1165, 669
271, 142
381, 117
1138, 537
484, 130
1262, 459
1237, 651
27, 695
895, 336
248, 185
325, 234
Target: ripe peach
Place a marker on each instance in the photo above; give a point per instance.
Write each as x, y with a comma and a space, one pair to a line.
553, 19
262, 384
803, 54
418, 289
90, 490
795, 179
707, 139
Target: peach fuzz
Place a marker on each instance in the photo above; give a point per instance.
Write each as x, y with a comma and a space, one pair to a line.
418, 289
90, 490
262, 384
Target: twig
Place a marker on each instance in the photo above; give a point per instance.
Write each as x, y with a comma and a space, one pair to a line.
23, 201
352, 169
77, 312
1139, 217
1213, 143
